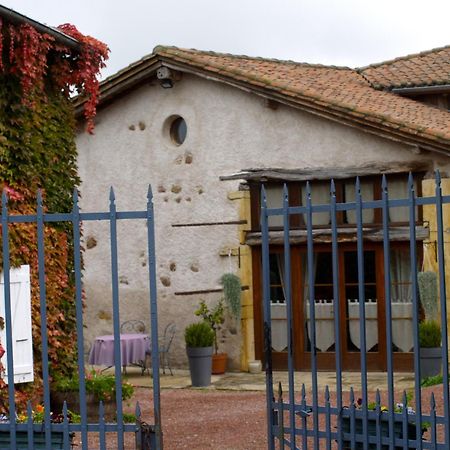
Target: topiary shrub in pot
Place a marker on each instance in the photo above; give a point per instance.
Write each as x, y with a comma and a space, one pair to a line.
429, 328
199, 339
430, 348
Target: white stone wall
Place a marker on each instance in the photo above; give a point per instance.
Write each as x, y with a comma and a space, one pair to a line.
228, 130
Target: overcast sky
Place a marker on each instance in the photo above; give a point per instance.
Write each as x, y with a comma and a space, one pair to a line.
341, 32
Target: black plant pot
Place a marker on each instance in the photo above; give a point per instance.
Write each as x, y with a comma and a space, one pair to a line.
372, 431
200, 364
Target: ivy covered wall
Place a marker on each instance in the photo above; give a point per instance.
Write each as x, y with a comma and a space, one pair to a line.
37, 151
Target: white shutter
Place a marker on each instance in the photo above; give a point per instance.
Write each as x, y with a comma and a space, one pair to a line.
21, 324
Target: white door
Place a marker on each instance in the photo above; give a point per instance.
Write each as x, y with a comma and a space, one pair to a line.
21, 324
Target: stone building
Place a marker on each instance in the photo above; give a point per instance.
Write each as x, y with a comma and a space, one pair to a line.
206, 130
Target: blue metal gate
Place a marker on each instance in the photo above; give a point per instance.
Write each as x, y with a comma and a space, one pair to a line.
146, 436
321, 419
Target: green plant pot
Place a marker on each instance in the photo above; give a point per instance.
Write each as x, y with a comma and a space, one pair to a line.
57, 440
372, 431
200, 365
430, 362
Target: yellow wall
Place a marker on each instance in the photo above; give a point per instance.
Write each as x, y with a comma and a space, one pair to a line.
430, 246
245, 272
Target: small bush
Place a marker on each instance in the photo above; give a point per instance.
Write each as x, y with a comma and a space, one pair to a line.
199, 334
103, 386
429, 334
432, 381
128, 418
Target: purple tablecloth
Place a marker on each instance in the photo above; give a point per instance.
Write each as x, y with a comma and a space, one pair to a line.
133, 347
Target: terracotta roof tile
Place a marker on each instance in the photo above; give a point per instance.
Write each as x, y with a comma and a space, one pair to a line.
336, 88
422, 69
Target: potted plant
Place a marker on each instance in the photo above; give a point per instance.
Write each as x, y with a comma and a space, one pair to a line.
199, 339
99, 387
37, 417
214, 317
378, 424
430, 348
232, 290
429, 328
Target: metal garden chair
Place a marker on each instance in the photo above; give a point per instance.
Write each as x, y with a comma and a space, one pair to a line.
132, 326
164, 346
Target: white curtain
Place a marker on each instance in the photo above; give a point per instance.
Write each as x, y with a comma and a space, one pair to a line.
274, 196
398, 189
305, 275
320, 195
366, 194
280, 265
401, 291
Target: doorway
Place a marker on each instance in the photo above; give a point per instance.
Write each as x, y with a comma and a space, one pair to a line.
347, 309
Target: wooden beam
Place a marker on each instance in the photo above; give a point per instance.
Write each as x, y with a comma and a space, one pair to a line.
325, 173
323, 236
207, 291
208, 224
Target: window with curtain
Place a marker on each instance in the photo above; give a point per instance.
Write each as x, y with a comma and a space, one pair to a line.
400, 271
320, 195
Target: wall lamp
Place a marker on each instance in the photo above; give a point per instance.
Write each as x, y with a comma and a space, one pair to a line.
167, 77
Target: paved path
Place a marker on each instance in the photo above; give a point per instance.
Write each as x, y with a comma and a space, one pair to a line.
244, 381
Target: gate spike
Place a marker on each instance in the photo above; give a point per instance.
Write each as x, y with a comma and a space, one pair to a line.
285, 194
149, 193
263, 196
138, 410
303, 392
101, 411
437, 177
29, 412
308, 190
432, 402
112, 196
280, 389
4, 198
378, 399
411, 182
327, 393
405, 400
332, 188
75, 196
352, 396
384, 184
39, 198
357, 187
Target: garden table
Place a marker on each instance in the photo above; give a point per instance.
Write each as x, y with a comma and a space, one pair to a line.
132, 349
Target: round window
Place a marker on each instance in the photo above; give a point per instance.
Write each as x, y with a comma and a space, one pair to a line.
178, 130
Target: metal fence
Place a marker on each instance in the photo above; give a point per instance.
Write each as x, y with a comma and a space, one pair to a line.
26, 435
319, 417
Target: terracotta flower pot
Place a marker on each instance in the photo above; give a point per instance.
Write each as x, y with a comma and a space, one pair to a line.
219, 363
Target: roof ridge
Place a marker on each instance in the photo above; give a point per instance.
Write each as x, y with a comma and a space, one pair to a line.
403, 58
160, 48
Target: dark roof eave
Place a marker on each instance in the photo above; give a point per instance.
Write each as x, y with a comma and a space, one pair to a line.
417, 90
17, 18
121, 82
